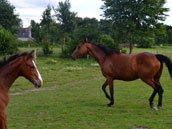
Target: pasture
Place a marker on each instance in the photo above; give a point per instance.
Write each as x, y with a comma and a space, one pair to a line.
72, 98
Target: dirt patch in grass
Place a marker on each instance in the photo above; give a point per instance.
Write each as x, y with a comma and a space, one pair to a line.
33, 90
140, 127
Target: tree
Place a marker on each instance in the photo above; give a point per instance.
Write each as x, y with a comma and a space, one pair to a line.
46, 20
8, 19
106, 26
161, 35
7, 42
35, 29
169, 34
45, 29
87, 28
133, 17
56, 33
65, 16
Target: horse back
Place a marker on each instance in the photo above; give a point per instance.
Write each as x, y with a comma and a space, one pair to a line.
130, 66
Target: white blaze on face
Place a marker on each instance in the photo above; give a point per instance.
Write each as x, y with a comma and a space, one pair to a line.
39, 75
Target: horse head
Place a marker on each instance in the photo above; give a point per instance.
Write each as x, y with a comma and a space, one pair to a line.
30, 71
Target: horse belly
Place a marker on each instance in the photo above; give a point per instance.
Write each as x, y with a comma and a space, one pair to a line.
126, 77
126, 74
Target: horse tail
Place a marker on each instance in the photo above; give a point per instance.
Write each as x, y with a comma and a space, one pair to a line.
167, 61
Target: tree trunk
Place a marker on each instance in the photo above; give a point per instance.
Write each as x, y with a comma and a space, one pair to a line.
130, 48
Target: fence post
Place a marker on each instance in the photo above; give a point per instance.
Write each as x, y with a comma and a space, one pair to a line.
157, 51
28, 46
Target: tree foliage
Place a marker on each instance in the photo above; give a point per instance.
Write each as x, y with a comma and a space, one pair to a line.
46, 18
35, 29
7, 42
169, 34
65, 16
132, 17
127, 21
8, 19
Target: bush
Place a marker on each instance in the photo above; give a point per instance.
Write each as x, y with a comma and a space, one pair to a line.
7, 42
47, 50
146, 42
109, 42
27, 43
70, 46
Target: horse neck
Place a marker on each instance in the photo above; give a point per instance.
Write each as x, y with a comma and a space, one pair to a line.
9, 73
96, 53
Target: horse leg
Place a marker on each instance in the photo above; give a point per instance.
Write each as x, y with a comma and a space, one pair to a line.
159, 87
153, 85
160, 93
110, 82
152, 97
104, 89
3, 120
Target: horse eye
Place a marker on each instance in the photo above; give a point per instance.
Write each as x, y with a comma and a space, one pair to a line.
32, 67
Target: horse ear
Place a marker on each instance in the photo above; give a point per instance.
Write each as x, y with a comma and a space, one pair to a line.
30, 55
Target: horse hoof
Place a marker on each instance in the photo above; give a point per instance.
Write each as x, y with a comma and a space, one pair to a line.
159, 107
155, 108
108, 105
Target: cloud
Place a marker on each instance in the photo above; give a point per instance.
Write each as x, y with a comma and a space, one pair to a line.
33, 9
87, 8
168, 20
33, 3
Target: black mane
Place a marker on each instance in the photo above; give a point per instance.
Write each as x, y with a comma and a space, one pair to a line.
106, 50
11, 58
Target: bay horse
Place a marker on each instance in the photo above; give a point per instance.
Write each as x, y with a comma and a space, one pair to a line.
119, 66
10, 69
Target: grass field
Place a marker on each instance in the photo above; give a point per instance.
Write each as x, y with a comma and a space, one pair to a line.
71, 98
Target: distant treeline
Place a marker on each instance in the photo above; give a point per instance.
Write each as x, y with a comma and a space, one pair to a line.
134, 22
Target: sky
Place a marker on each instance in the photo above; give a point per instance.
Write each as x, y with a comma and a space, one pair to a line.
32, 9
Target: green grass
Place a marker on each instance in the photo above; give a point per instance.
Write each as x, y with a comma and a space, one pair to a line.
71, 98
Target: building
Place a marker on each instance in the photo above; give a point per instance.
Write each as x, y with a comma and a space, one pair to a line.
25, 34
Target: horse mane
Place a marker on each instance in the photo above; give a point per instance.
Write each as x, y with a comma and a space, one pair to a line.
11, 58
106, 50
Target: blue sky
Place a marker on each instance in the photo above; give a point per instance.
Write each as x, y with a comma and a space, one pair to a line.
33, 9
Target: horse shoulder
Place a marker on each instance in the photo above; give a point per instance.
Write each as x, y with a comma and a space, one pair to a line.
107, 67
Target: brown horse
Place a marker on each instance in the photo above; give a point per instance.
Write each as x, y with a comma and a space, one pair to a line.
118, 66
10, 69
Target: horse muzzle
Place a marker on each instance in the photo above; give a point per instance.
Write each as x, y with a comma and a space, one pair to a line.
37, 83
73, 57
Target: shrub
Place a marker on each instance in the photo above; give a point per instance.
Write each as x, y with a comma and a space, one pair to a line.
47, 50
27, 43
108, 41
146, 42
7, 42
70, 46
